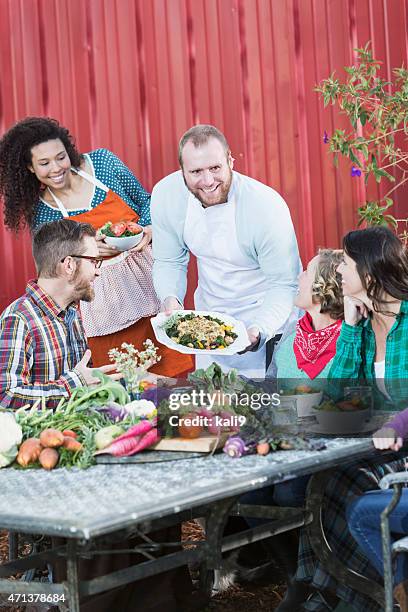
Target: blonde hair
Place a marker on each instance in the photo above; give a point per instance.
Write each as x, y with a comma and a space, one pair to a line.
326, 289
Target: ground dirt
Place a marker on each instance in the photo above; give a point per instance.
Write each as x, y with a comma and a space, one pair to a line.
248, 598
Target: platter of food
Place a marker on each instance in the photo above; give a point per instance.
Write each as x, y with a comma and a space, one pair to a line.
200, 332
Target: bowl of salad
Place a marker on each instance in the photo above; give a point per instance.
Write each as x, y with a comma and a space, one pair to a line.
123, 235
306, 399
348, 416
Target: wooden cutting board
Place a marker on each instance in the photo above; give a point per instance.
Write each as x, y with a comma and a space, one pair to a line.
202, 444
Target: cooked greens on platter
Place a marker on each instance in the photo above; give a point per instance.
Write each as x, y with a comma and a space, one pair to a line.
199, 331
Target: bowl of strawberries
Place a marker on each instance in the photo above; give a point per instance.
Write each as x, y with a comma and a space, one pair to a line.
123, 235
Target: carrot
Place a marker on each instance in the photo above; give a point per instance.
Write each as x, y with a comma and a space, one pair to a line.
51, 438
49, 458
136, 430
29, 451
70, 433
71, 444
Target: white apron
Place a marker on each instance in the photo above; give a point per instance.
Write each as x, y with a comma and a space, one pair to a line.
228, 280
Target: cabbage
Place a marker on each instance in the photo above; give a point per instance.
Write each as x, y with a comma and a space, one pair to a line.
11, 435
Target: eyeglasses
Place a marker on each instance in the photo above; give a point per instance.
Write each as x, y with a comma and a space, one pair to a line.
97, 261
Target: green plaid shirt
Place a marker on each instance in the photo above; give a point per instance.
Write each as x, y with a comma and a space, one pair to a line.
355, 354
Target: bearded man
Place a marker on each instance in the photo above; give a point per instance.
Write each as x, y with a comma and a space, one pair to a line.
242, 235
43, 348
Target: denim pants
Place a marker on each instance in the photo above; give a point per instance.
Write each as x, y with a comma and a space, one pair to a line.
290, 493
364, 521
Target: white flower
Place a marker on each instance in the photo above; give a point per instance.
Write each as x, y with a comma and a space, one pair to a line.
134, 364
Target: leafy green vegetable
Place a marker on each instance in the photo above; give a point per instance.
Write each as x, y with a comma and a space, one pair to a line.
79, 414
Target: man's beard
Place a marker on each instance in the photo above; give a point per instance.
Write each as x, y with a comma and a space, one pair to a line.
222, 192
82, 290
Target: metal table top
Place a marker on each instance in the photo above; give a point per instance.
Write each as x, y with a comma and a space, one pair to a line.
87, 503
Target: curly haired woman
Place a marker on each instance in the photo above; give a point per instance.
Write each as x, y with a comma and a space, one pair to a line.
308, 351
44, 178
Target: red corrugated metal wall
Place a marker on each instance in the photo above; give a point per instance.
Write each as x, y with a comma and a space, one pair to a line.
133, 75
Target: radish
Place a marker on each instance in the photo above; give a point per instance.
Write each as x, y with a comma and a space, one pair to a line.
137, 430
150, 438
131, 445
212, 426
120, 448
215, 428
205, 412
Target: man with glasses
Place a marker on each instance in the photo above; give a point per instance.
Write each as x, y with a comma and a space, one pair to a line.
43, 348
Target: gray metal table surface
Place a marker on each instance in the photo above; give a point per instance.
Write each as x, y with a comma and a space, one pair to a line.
82, 504
85, 504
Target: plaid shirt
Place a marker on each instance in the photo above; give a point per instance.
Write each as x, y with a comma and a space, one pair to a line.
355, 355
40, 344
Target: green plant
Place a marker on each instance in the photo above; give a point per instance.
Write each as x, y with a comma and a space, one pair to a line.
378, 111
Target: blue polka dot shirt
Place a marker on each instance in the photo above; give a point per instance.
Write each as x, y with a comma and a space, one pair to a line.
113, 173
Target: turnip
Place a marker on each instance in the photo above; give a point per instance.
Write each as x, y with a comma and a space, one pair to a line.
105, 436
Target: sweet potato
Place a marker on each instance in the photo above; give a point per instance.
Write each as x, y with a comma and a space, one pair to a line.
29, 452
49, 458
71, 444
69, 433
51, 438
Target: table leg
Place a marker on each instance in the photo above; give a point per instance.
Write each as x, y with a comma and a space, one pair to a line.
72, 577
215, 523
12, 545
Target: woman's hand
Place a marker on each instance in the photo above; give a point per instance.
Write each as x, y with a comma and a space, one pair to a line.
147, 238
386, 438
103, 248
354, 310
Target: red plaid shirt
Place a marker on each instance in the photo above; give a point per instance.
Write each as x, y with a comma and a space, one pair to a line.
40, 344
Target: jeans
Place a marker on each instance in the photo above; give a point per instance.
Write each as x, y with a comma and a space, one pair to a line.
290, 493
364, 521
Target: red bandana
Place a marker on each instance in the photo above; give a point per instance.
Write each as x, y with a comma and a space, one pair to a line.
314, 349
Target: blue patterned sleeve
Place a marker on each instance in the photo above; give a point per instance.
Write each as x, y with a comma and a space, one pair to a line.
139, 197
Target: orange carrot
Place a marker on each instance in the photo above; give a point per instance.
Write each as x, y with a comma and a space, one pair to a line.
70, 433
71, 444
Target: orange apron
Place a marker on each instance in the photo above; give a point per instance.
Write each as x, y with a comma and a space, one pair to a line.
172, 363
